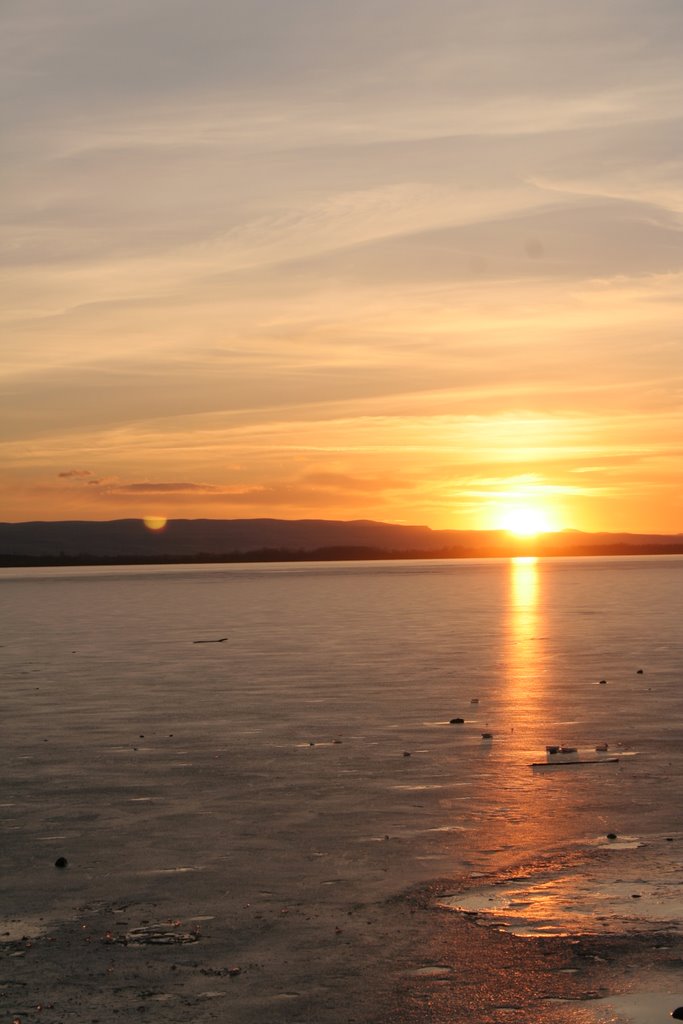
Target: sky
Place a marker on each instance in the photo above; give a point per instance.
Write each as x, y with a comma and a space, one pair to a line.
418, 263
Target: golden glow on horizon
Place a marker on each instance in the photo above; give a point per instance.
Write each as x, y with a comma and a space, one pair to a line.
155, 522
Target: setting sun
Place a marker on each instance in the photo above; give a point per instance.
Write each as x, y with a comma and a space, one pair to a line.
525, 521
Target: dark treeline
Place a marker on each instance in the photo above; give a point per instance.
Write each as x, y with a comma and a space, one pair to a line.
514, 548
327, 554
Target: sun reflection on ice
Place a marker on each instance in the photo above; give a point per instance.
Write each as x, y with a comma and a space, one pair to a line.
523, 621
523, 711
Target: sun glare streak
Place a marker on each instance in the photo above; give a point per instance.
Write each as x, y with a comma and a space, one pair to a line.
523, 585
523, 618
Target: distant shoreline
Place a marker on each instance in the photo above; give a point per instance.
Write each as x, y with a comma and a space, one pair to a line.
342, 554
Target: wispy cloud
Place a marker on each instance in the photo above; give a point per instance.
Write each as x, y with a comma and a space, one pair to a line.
161, 488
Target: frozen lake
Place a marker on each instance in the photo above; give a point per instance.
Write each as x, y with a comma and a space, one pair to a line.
312, 750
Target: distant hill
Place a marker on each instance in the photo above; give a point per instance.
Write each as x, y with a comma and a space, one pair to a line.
129, 541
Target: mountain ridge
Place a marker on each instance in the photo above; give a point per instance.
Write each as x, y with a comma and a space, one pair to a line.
130, 541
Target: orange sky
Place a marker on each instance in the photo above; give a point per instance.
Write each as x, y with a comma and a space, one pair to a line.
416, 263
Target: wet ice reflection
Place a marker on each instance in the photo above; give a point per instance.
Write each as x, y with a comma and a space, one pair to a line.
647, 895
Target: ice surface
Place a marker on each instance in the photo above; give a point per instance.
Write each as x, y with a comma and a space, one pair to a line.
634, 892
